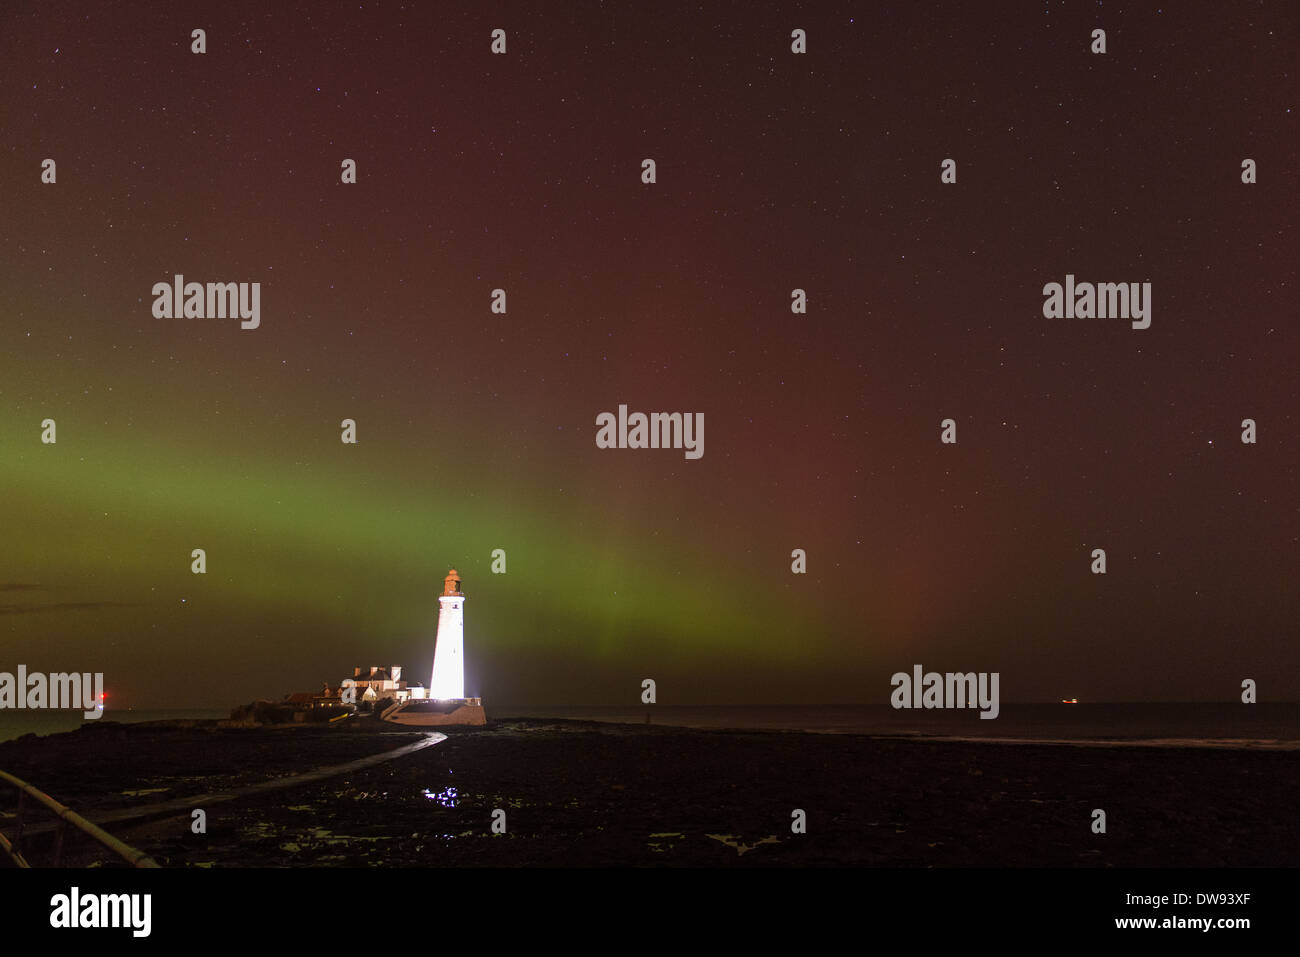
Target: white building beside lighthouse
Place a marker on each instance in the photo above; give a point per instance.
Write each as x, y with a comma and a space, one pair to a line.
448, 679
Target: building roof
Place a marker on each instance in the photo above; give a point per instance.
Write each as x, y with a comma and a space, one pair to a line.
381, 674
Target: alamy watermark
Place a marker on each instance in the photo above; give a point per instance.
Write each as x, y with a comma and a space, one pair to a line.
215, 300
658, 430
59, 691
950, 690
130, 911
1103, 300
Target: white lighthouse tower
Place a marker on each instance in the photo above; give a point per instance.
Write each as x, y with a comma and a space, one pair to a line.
445, 703
448, 679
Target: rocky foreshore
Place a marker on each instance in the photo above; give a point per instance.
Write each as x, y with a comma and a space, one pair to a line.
583, 793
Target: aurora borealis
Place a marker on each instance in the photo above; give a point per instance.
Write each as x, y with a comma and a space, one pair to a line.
476, 431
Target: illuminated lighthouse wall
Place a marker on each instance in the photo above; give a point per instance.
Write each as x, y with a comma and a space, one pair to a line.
448, 679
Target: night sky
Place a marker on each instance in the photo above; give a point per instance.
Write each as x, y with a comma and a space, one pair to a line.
476, 431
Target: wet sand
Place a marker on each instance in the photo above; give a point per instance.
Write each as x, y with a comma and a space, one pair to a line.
578, 793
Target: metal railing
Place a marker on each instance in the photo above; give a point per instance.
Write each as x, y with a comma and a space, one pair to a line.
66, 817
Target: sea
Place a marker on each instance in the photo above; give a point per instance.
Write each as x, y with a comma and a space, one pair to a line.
16, 723
1264, 725
1216, 724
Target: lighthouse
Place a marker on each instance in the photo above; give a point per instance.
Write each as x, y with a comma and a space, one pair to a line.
448, 679
445, 703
